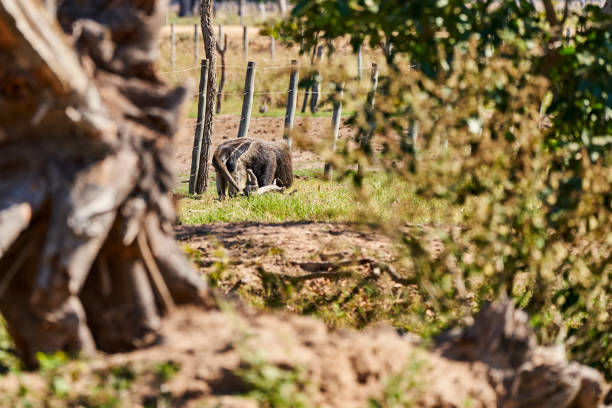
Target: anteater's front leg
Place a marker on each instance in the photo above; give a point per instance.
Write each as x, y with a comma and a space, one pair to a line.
267, 176
221, 184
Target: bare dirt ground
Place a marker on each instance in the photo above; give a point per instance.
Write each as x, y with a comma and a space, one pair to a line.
226, 127
338, 368
293, 249
221, 354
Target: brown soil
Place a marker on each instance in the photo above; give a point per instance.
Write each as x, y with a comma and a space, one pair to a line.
343, 368
340, 368
294, 248
226, 127
490, 363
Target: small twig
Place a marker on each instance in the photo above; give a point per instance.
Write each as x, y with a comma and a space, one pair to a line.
154, 272
331, 270
333, 266
389, 270
318, 275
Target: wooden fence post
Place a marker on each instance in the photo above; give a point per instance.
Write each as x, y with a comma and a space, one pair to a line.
241, 10
305, 102
374, 80
197, 140
220, 31
359, 64
388, 47
316, 82
316, 90
245, 41
414, 134
310, 79
367, 135
247, 102
196, 50
408, 142
272, 48
172, 47
291, 103
328, 172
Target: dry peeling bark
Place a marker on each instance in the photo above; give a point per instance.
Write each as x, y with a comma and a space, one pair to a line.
87, 255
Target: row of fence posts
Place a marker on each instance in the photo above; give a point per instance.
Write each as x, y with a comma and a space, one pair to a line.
245, 48
247, 105
241, 10
196, 45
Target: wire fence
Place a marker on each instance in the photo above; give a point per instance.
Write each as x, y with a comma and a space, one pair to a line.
240, 67
228, 118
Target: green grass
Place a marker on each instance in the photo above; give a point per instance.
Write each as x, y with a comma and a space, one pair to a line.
314, 200
403, 389
8, 360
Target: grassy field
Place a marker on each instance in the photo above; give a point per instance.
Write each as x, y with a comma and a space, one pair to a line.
314, 200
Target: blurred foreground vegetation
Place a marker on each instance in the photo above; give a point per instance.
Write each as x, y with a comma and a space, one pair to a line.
514, 128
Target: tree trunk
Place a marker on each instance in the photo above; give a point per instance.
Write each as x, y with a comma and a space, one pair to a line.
206, 21
221, 51
87, 258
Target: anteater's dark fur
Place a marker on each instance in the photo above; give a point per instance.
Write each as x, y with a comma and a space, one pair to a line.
267, 160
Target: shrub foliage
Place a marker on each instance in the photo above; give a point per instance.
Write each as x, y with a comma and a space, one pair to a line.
514, 126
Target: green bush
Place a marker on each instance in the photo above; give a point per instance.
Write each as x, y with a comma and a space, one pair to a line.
514, 141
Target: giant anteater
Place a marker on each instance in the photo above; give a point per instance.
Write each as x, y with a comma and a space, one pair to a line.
267, 160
